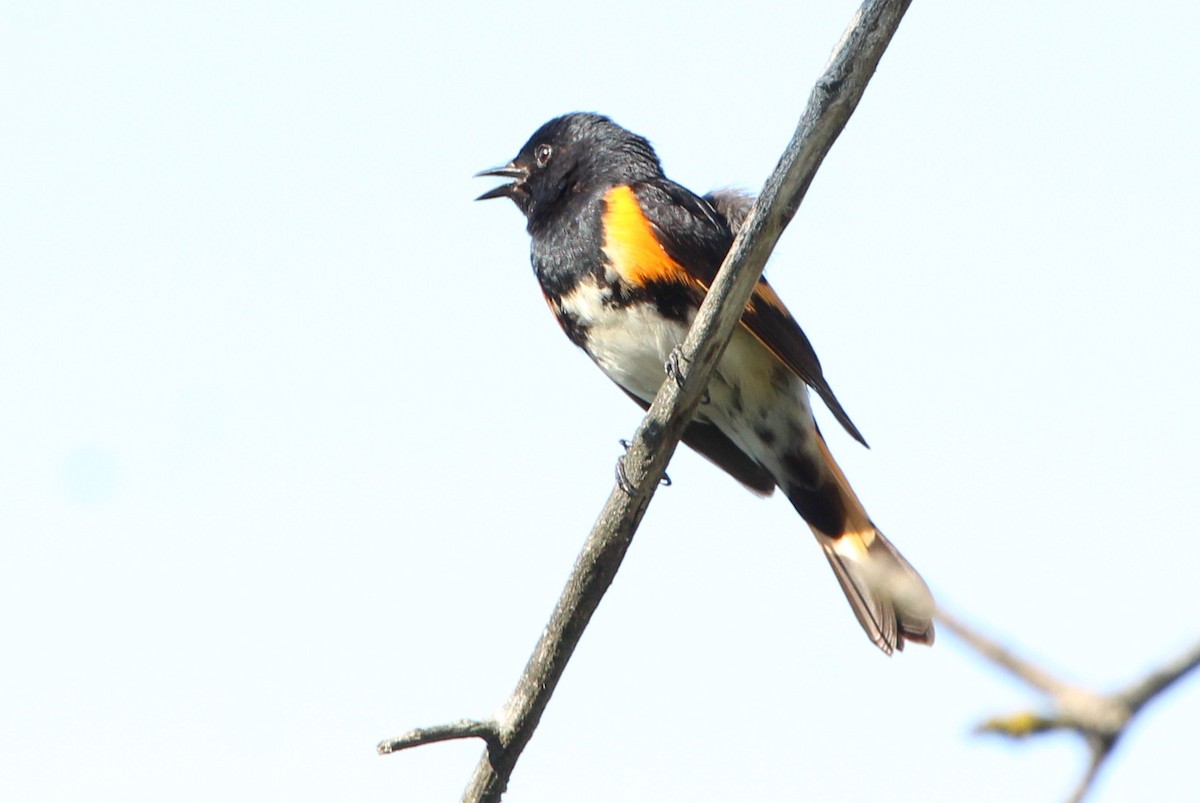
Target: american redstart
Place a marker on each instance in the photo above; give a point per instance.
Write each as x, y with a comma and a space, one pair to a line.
624, 256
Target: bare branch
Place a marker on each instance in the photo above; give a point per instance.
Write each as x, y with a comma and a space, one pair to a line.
1100, 719
1099, 754
463, 729
1156, 682
830, 105
998, 654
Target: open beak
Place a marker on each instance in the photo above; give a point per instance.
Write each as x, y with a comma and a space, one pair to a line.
510, 170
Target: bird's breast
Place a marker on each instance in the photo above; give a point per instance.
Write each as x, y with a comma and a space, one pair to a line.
629, 338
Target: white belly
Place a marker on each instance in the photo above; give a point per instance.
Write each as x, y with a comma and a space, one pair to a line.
631, 345
751, 391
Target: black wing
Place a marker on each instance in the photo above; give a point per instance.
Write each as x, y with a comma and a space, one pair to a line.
697, 235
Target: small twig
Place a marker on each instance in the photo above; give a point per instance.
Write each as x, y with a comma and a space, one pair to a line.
830, 105
463, 729
1099, 719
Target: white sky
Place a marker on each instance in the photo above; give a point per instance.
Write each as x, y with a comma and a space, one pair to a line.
293, 458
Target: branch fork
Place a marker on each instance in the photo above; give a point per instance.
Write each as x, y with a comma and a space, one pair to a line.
1100, 719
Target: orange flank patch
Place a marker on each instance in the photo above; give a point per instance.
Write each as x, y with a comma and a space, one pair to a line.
630, 245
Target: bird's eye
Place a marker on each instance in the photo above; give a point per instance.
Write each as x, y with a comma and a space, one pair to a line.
543, 154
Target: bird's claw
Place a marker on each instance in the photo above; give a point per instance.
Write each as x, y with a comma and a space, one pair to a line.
623, 477
674, 369
674, 366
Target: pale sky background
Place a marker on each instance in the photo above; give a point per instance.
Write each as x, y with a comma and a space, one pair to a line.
293, 457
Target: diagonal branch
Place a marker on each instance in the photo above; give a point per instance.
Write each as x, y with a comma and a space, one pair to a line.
1001, 655
1138, 694
830, 105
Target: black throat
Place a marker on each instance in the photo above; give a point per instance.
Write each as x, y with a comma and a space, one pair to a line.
566, 243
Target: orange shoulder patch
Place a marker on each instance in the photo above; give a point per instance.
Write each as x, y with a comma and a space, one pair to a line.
630, 245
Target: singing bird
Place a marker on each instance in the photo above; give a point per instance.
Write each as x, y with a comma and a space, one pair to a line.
624, 257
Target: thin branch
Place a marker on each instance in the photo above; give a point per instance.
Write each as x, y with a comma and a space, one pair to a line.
1099, 755
463, 729
998, 654
830, 105
1156, 682
1099, 719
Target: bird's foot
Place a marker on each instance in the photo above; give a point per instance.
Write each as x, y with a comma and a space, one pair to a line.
674, 366
623, 477
674, 369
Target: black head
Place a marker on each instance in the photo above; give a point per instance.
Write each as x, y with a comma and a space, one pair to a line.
575, 154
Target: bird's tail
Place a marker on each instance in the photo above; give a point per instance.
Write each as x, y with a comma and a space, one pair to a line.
890, 599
